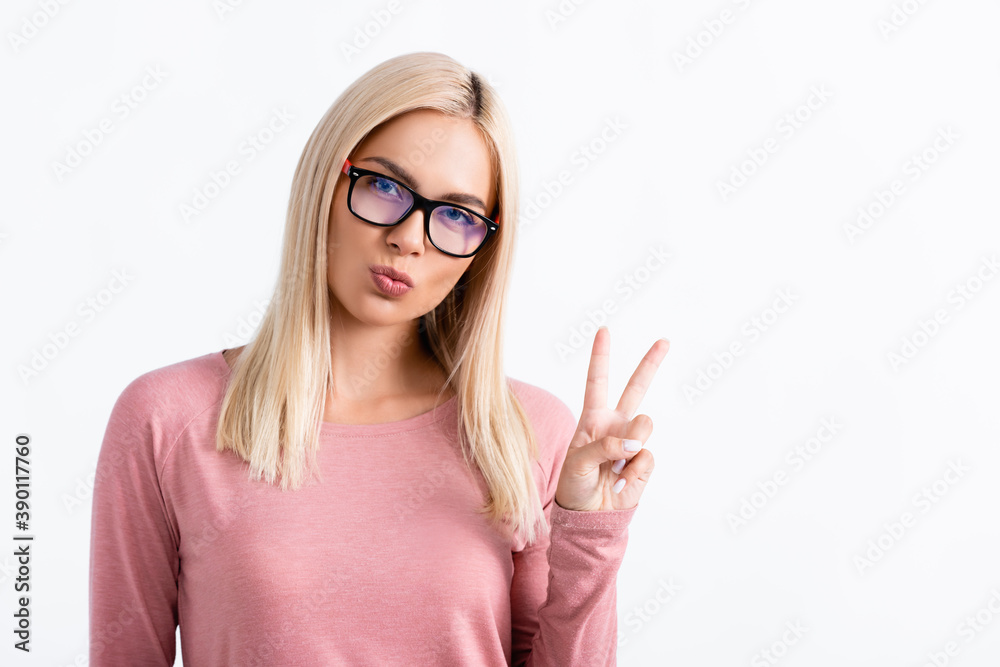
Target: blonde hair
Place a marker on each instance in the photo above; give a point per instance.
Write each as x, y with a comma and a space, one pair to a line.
271, 412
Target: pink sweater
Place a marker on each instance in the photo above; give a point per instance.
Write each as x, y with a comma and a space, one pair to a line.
383, 563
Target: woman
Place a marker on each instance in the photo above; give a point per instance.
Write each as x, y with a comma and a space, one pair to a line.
425, 536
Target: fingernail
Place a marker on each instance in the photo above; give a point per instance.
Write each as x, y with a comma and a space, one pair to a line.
618, 485
618, 466
632, 445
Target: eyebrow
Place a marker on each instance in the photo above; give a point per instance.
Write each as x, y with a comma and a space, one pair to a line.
405, 176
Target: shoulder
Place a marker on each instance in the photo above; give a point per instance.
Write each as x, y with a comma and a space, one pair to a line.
177, 385
160, 402
552, 420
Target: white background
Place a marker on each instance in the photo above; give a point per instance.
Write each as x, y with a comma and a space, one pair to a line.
683, 128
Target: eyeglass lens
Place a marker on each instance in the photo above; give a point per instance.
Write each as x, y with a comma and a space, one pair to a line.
383, 201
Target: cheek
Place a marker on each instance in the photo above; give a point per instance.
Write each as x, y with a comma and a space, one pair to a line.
343, 235
340, 231
339, 245
442, 279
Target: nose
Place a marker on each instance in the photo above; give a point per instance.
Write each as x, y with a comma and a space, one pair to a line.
408, 235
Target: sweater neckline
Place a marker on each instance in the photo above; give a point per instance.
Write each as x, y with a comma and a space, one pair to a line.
438, 413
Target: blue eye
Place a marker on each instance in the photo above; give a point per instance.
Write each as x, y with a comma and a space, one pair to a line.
385, 186
457, 215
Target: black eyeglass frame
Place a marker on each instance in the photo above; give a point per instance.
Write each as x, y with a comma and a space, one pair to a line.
419, 202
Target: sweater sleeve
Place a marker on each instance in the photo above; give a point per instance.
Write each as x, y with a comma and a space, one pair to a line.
563, 591
133, 550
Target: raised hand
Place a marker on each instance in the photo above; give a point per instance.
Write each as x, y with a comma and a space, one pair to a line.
598, 472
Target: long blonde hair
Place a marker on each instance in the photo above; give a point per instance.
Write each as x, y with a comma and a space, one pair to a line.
272, 408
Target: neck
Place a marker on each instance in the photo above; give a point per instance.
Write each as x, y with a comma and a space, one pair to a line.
373, 362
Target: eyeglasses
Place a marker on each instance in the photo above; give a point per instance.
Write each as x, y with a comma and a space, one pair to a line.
383, 201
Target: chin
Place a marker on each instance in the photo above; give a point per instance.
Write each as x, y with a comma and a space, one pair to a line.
373, 309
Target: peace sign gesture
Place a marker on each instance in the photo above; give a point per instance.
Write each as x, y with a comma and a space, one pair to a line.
599, 473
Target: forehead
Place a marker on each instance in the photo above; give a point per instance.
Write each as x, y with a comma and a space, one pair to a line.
444, 154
